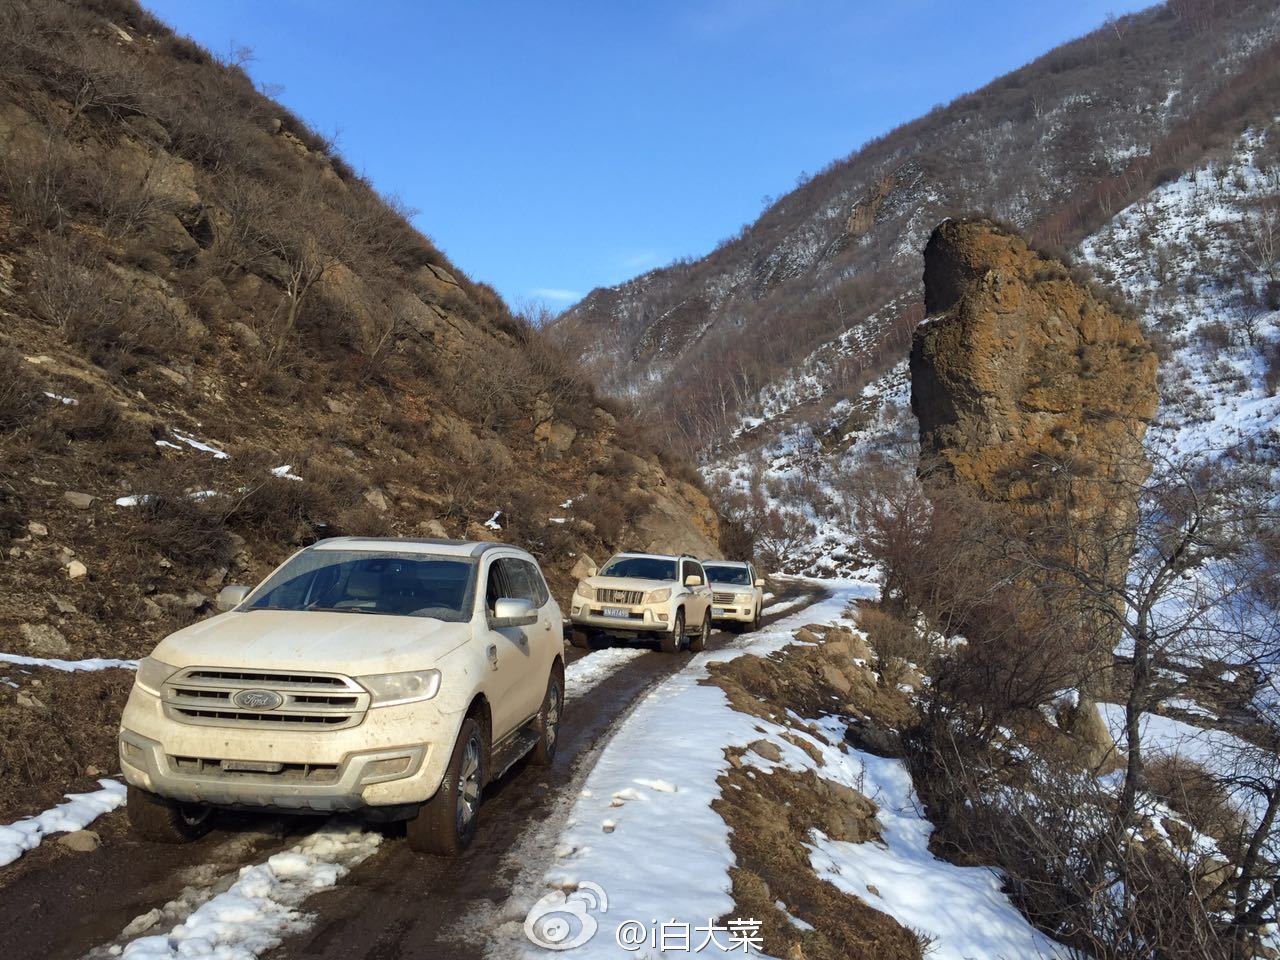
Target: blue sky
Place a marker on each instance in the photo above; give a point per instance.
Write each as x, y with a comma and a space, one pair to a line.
551, 147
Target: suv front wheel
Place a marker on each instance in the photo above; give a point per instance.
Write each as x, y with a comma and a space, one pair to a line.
165, 821
698, 642
673, 641
446, 824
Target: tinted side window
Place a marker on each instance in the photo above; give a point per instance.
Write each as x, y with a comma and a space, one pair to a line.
698, 571
499, 584
538, 592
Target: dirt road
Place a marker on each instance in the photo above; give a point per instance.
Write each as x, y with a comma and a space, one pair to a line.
57, 905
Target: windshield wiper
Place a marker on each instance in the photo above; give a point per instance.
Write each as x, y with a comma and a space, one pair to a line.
338, 610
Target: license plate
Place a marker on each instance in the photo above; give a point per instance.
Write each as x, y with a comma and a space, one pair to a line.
622, 613
251, 766
719, 612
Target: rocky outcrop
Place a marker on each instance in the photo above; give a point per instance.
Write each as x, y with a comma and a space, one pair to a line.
1025, 380
1033, 393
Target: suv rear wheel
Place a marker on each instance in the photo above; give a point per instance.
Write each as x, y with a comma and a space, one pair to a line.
165, 821
673, 641
544, 752
446, 824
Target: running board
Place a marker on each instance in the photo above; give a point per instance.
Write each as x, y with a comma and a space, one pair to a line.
506, 753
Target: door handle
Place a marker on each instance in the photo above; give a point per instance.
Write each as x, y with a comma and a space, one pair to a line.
493, 655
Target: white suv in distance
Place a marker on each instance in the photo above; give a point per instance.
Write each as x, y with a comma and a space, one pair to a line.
737, 594
390, 677
638, 596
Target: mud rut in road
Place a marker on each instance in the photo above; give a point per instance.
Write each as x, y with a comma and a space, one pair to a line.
395, 904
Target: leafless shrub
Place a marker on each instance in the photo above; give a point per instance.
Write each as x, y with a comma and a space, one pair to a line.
895, 641
20, 393
172, 520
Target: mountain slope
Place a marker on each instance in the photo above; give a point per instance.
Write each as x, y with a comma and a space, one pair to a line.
218, 344
833, 267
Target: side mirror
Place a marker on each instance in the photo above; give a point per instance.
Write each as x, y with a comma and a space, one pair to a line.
693, 580
511, 612
760, 582
232, 596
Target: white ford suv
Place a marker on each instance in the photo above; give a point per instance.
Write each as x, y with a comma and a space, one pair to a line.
737, 594
638, 596
390, 677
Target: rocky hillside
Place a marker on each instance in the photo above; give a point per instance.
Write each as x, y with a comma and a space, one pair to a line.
218, 344
1146, 152
816, 298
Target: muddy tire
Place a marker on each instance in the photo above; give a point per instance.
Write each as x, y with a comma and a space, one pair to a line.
544, 752
755, 624
446, 824
698, 641
673, 641
580, 639
164, 821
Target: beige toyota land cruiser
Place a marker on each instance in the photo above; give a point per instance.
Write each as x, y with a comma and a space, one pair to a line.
390, 677
638, 596
737, 594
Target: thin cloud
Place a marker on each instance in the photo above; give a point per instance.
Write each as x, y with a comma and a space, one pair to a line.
557, 294
640, 260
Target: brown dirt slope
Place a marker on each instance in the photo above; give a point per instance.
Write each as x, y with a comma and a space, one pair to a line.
182, 260
772, 815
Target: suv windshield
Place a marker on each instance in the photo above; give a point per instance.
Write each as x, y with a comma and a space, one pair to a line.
642, 568
354, 581
718, 573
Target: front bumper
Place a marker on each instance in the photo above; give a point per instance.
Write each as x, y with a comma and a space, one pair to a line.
589, 615
741, 613
396, 756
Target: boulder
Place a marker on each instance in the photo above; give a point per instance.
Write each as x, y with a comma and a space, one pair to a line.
554, 438
81, 841
44, 640
81, 501
1033, 393
37, 529
1021, 372
767, 749
584, 567
76, 570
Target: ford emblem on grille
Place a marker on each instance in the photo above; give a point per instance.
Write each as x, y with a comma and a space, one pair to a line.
257, 699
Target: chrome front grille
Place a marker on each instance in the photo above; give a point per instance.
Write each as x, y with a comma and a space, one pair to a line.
225, 698
629, 598
722, 598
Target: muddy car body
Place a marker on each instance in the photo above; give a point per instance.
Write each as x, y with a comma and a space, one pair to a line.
737, 593
644, 596
370, 675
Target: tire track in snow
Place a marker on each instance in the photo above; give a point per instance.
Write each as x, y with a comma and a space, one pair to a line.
249, 913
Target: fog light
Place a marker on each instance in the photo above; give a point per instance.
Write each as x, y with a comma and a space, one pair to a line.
662, 617
130, 752
385, 769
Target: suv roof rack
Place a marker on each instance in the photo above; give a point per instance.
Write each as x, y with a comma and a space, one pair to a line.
478, 547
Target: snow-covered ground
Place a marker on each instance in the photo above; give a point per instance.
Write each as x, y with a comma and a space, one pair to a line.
585, 672
243, 917
962, 908
1193, 256
643, 837
77, 812
69, 666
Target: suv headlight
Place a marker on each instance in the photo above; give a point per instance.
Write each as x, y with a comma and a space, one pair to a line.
584, 591
152, 674
742, 598
658, 596
392, 688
